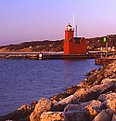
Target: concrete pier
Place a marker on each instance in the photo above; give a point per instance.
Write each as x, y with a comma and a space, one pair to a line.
18, 55
47, 55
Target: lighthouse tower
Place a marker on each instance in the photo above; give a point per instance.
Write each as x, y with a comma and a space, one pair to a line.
69, 40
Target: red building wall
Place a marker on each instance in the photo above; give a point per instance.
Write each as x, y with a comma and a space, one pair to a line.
82, 47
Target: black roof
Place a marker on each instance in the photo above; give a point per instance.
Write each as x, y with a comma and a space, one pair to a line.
69, 25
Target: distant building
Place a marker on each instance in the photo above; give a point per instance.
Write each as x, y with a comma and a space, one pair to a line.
74, 45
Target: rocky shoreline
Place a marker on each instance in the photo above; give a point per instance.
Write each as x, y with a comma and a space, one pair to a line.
94, 99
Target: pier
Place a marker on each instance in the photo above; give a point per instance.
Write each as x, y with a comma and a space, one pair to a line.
52, 56
46, 55
18, 55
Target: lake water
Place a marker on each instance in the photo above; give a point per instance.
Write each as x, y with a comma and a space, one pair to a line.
22, 81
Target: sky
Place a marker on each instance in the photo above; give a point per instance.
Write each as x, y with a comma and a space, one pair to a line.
31, 20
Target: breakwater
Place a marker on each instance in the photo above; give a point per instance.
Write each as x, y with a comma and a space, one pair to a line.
18, 55
91, 100
49, 55
45, 56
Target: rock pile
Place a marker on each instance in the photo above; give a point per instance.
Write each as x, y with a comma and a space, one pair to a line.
94, 99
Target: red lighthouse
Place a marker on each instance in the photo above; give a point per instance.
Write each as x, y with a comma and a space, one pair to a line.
74, 45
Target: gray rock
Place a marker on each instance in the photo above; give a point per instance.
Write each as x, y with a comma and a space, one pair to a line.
95, 91
107, 96
77, 115
58, 107
94, 107
91, 94
109, 104
109, 86
91, 107
73, 107
114, 117
102, 116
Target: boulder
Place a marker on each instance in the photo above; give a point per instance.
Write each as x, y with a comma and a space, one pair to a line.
81, 115
24, 107
33, 104
91, 72
59, 97
96, 77
95, 91
63, 103
102, 116
73, 107
108, 80
99, 78
104, 105
80, 92
92, 93
110, 111
22, 113
109, 103
93, 107
58, 107
43, 105
112, 104
69, 99
114, 70
91, 79
114, 117
108, 86
71, 90
107, 96
110, 71
109, 74
52, 116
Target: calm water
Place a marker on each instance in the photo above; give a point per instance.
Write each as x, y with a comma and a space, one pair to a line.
22, 81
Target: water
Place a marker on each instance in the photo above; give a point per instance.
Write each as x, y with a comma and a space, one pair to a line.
22, 81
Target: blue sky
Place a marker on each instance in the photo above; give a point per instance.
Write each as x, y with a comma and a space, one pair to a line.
27, 20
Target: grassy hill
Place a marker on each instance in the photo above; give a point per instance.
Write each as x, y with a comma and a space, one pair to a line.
47, 45
34, 46
97, 42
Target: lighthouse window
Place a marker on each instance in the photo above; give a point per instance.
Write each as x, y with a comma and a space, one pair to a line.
77, 40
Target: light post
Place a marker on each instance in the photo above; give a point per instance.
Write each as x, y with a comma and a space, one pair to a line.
101, 52
106, 39
106, 49
113, 50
